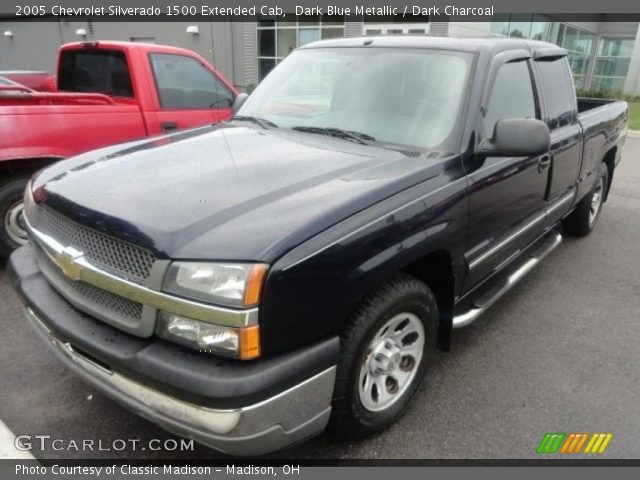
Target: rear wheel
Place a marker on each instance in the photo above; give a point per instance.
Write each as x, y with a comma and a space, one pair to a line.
13, 232
582, 220
385, 350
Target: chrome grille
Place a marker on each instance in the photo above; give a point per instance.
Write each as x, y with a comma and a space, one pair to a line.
94, 296
105, 252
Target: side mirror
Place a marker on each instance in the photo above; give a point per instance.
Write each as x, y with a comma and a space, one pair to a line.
517, 137
238, 101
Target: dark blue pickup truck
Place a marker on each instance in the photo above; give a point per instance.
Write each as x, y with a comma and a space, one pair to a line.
252, 283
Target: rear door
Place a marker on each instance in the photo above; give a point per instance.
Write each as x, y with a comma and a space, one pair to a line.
189, 93
560, 112
506, 195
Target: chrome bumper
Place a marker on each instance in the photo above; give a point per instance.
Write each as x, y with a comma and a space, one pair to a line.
284, 419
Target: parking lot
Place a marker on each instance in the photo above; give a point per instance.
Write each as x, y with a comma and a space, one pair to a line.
560, 353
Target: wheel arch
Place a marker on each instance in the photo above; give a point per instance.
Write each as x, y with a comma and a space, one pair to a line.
609, 160
21, 167
436, 270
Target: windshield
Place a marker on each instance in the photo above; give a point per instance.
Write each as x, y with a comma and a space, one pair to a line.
410, 97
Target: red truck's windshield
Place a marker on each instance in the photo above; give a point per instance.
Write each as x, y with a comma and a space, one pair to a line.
95, 71
411, 97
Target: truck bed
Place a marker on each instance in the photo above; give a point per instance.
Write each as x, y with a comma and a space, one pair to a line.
20, 95
597, 113
589, 103
33, 130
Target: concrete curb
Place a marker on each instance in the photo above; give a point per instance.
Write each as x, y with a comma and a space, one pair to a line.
633, 133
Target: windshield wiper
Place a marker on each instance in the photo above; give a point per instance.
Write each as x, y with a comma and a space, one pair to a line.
359, 137
263, 122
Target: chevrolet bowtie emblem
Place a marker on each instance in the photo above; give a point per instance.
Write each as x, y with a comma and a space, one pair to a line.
67, 261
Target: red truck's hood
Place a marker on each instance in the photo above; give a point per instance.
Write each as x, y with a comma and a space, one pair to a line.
226, 192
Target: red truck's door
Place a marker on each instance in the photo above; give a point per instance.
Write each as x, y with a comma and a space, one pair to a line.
189, 93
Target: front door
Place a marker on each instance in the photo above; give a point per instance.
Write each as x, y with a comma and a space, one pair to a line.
506, 195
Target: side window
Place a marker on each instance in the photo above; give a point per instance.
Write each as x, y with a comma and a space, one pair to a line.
185, 83
511, 96
559, 93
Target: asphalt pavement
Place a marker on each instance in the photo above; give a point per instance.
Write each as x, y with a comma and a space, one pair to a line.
559, 353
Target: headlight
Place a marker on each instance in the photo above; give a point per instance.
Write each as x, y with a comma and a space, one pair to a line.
241, 343
229, 284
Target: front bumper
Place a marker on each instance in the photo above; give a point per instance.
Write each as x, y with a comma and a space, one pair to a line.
187, 394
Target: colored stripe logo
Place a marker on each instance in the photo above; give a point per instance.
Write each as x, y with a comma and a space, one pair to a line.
551, 442
598, 443
557, 442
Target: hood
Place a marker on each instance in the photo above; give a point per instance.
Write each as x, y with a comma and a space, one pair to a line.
226, 192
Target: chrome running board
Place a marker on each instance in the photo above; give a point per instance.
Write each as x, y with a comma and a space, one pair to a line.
482, 303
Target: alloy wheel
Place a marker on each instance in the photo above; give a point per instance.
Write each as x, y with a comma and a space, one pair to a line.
391, 362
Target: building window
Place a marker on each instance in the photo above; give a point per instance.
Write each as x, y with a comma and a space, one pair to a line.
540, 28
277, 39
579, 43
500, 24
395, 29
534, 26
520, 26
612, 64
557, 33
142, 39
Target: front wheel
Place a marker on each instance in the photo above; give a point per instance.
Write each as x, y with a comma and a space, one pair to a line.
385, 349
582, 220
13, 233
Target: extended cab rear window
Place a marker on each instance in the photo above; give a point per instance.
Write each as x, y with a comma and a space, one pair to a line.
561, 98
95, 71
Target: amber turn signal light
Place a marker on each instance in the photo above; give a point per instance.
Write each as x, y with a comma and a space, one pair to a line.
249, 342
254, 284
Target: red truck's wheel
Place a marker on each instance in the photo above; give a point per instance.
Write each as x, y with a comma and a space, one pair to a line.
12, 233
385, 350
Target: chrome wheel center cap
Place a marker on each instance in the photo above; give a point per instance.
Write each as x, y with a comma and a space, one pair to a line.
385, 357
391, 363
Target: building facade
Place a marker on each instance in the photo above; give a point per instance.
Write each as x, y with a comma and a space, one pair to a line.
604, 56
230, 46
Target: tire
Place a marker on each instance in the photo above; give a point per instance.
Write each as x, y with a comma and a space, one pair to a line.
581, 221
402, 300
12, 233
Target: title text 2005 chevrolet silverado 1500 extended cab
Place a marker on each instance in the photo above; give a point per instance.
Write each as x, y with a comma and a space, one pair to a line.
108, 93
368, 197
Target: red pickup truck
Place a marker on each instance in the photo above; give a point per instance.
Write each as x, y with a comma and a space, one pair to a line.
107, 93
35, 80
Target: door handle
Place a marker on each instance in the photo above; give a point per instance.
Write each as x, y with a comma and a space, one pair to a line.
168, 126
544, 163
